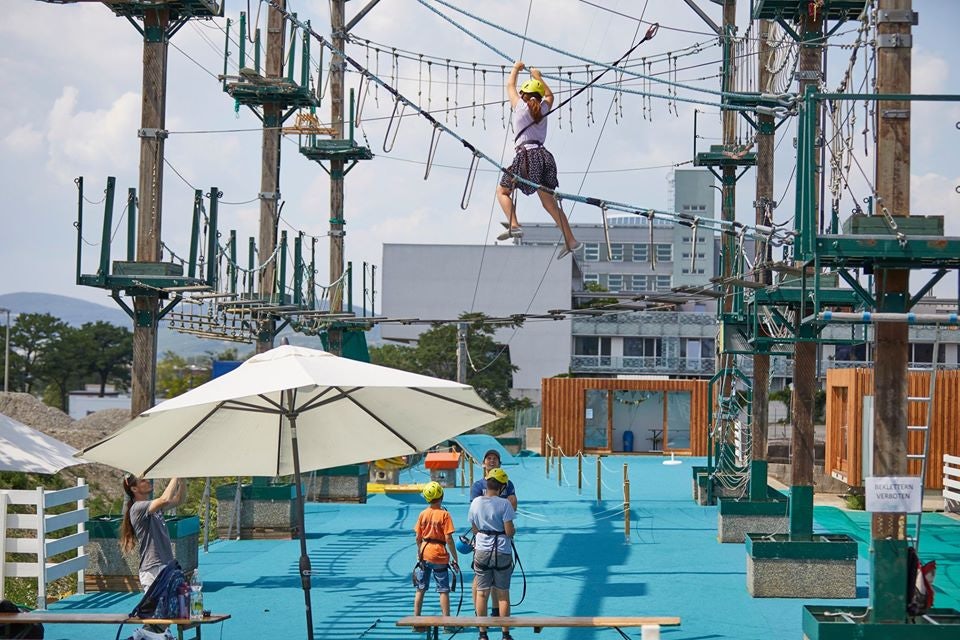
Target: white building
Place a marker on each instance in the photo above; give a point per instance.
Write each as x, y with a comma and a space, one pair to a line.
441, 282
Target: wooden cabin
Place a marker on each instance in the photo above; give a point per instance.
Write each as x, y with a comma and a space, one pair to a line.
608, 415
849, 455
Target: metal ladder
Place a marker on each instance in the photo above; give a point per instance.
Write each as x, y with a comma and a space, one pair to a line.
924, 429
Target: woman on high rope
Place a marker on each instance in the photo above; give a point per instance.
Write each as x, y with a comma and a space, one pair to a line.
533, 162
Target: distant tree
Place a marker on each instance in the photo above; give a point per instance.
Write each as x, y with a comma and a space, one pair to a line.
62, 366
176, 374
489, 369
31, 335
109, 353
595, 287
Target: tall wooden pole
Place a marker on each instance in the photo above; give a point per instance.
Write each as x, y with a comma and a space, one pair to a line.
336, 77
270, 174
153, 118
764, 210
888, 564
805, 349
728, 203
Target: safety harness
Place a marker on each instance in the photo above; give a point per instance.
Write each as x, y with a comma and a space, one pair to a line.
420, 566
514, 561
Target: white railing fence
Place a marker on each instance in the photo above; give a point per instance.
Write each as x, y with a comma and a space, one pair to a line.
951, 483
41, 524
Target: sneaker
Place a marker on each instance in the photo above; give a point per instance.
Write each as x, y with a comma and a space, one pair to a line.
567, 251
512, 232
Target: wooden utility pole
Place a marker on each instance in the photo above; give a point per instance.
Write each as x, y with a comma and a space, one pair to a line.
728, 204
153, 119
888, 564
810, 73
764, 211
336, 78
270, 175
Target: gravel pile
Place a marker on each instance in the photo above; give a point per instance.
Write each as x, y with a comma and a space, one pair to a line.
104, 481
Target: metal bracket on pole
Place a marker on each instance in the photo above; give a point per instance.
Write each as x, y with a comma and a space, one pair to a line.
898, 15
336, 233
265, 195
895, 41
808, 74
153, 133
896, 113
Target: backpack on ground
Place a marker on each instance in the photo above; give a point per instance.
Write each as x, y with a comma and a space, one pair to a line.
14, 631
167, 597
919, 583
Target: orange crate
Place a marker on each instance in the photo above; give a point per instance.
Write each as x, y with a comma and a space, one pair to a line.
442, 460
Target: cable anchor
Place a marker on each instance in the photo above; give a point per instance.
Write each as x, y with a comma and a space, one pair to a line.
398, 103
471, 178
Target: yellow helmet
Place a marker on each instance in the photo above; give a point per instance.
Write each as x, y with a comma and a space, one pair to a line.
499, 475
433, 491
533, 86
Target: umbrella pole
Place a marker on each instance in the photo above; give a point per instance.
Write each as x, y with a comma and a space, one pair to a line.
305, 570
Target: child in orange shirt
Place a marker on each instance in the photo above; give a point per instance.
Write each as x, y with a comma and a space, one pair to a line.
436, 551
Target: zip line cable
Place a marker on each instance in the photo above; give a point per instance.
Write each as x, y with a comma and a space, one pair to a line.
775, 237
788, 99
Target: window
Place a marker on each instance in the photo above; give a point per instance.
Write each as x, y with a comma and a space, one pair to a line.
590, 278
664, 253
638, 283
591, 252
615, 282
616, 252
697, 347
591, 346
640, 253
664, 283
642, 347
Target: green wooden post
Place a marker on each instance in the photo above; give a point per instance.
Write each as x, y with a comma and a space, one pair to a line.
212, 245
282, 271
195, 233
298, 269
233, 261
104, 270
243, 40
131, 224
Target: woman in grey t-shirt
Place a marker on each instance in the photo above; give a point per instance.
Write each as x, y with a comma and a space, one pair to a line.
143, 523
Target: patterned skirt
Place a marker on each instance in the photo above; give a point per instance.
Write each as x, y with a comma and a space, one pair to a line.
536, 165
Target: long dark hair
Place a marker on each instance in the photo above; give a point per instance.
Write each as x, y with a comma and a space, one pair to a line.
128, 539
533, 103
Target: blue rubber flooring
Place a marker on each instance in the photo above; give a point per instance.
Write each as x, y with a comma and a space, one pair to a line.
576, 559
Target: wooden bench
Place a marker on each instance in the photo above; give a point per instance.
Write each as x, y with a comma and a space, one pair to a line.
61, 617
649, 625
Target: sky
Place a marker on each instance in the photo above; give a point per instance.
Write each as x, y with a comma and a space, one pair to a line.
71, 107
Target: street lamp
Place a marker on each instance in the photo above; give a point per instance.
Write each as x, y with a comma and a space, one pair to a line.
6, 355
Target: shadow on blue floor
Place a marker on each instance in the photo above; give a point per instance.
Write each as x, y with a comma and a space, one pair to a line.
577, 557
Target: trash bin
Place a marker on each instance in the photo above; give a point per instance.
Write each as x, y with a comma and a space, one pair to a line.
628, 440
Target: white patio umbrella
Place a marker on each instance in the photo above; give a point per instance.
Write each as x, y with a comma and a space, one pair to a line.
30, 451
289, 410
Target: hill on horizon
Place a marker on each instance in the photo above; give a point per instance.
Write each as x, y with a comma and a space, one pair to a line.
76, 312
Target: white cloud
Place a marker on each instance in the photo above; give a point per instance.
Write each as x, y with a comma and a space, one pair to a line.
90, 141
24, 139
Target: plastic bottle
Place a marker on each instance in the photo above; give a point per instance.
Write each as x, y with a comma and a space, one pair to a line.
196, 595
